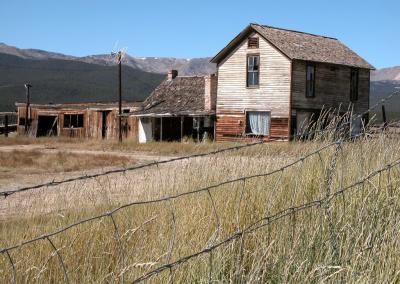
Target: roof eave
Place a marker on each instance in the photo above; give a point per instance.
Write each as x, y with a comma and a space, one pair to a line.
367, 66
232, 44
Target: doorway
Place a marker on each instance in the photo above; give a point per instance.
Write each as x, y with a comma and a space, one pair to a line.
47, 125
104, 123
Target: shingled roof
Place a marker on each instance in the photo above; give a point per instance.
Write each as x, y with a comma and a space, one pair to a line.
183, 95
300, 46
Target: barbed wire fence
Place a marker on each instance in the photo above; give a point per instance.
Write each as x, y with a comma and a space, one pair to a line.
289, 211
268, 220
323, 202
335, 128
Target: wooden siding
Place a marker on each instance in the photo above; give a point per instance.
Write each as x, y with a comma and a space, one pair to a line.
232, 128
332, 88
234, 98
92, 123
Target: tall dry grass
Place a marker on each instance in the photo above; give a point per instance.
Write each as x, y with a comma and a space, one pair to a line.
354, 238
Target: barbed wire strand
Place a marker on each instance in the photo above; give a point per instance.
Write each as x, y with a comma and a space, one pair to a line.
266, 221
207, 189
126, 169
53, 183
172, 197
179, 195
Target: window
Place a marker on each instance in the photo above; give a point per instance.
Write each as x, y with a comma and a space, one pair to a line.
310, 81
253, 66
257, 122
252, 42
73, 120
353, 84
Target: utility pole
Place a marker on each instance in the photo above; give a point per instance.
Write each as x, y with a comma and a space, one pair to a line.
120, 96
27, 87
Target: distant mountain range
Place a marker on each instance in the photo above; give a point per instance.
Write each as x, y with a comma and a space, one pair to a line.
383, 83
161, 65
67, 81
386, 74
60, 78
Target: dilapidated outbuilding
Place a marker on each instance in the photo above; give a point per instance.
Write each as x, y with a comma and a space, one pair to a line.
83, 120
181, 106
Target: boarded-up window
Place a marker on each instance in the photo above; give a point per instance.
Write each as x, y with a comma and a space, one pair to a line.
310, 81
253, 67
252, 42
353, 84
73, 120
258, 122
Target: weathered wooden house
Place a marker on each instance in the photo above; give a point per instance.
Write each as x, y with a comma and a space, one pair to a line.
181, 106
83, 120
272, 80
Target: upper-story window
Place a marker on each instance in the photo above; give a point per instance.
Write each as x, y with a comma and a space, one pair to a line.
253, 68
310, 81
353, 84
252, 42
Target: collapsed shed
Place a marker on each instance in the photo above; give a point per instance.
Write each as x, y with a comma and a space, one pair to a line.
180, 107
83, 120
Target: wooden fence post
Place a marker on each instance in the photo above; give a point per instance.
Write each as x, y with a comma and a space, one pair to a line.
6, 125
384, 116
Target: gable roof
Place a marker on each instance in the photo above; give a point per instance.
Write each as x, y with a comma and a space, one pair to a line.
183, 95
300, 46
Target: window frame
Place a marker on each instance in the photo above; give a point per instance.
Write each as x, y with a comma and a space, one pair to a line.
247, 70
245, 133
310, 64
77, 120
354, 93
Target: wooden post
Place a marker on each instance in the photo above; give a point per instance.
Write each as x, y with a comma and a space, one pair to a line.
120, 96
28, 98
182, 118
161, 129
384, 116
215, 128
198, 129
6, 125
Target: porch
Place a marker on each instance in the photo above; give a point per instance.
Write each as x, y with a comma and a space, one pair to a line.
176, 128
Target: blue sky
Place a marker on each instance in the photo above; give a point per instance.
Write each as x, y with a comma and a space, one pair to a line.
190, 29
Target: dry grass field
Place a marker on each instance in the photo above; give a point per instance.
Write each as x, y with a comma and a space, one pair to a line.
320, 220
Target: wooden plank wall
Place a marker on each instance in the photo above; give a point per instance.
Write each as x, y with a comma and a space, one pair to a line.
332, 88
234, 125
92, 123
234, 98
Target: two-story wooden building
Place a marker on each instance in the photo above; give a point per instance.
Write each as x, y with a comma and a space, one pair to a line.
271, 80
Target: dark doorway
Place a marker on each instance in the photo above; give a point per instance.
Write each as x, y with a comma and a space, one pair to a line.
47, 125
104, 126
